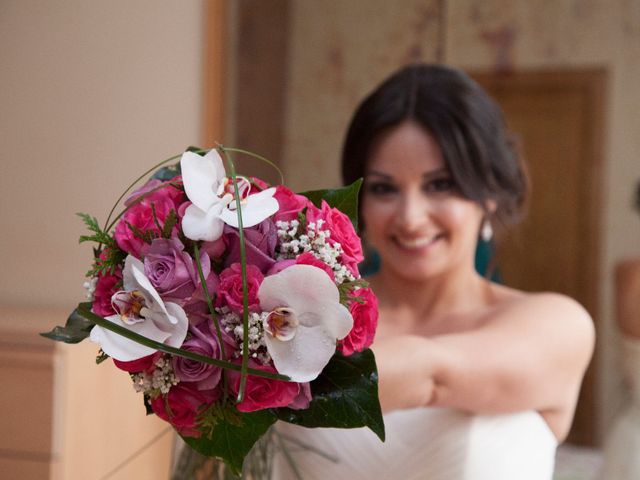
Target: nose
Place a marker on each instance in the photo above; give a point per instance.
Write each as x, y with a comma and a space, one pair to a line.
413, 212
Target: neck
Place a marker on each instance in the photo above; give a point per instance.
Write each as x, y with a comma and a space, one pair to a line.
453, 292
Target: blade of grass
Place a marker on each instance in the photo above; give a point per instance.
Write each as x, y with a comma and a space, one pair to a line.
245, 286
84, 310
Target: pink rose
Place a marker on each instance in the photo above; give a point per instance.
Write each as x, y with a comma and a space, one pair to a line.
139, 365
262, 393
290, 204
303, 398
342, 232
308, 258
180, 407
365, 321
105, 288
141, 217
230, 288
258, 184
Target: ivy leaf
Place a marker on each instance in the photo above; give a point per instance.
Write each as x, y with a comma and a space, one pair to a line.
75, 330
167, 173
147, 405
344, 199
345, 395
232, 441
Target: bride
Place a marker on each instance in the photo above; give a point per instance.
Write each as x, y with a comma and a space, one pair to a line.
477, 380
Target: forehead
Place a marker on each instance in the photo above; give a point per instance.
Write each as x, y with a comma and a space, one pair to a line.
407, 149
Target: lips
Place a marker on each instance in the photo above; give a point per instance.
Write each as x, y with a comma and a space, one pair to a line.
416, 243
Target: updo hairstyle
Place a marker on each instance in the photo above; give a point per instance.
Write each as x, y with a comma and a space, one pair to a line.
465, 122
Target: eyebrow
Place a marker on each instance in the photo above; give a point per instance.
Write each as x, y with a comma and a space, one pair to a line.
426, 175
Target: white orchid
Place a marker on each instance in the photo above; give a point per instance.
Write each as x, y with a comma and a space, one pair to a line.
141, 310
211, 195
305, 320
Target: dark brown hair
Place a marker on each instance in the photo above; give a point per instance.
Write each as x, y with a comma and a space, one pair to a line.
465, 122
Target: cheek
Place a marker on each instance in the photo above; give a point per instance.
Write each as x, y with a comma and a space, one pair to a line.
375, 216
461, 216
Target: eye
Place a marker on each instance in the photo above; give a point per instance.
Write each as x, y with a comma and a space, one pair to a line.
380, 188
440, 185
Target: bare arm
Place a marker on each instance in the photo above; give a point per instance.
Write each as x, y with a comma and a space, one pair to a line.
531, 356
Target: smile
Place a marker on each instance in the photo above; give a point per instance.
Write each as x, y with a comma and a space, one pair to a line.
416, 243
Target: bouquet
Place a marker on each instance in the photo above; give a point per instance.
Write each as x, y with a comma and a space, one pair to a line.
233, 304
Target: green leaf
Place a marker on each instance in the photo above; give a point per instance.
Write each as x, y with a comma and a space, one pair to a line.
101, 357
232, 441
345, 395
99, 236
167, 173
75, 330
147, 405
170, 221
344, 199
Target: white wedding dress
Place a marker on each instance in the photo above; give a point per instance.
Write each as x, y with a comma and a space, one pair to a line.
622, 445
424, 444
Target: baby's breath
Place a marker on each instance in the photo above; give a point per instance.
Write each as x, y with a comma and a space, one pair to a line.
232, 324
294, 240
157, 382
90, 287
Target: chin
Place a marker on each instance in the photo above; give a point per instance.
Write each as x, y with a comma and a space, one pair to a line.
417, 271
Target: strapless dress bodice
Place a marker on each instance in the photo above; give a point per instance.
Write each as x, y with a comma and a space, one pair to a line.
424, 444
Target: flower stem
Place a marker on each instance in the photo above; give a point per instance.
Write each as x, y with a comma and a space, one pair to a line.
138, 200
214, 317
254, 155
157, 165
245, 287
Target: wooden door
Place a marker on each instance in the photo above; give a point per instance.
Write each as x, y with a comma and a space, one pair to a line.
557, 118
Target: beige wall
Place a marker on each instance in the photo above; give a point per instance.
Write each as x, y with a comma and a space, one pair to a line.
340, 50
91, 93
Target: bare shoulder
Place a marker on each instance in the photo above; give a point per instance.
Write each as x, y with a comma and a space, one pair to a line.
544, 307
550, 317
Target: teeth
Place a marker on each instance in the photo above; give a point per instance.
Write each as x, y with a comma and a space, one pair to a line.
416, 242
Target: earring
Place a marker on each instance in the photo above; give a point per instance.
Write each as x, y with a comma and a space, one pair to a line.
486, 232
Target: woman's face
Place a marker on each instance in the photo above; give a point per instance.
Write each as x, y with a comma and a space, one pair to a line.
413, 212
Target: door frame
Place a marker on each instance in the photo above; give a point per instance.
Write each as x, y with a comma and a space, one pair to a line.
591, 84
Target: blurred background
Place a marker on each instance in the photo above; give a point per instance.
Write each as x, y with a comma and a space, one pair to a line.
93, 93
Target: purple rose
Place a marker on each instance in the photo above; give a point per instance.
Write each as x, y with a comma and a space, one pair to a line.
260, 245
202, 341
196, 306
281, 265
171, 270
